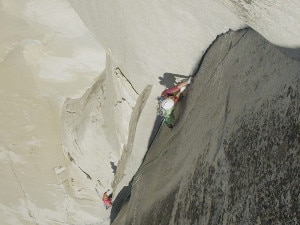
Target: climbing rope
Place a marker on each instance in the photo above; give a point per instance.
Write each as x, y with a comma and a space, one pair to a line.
144, 167
140, 172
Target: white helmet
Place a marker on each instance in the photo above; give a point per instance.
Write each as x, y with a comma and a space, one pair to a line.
167, 103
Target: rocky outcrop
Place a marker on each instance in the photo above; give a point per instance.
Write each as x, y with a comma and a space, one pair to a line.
94, 132
233, 155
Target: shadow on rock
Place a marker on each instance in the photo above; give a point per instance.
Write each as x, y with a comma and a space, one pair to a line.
170, 79
293, 53
113, 167
156, 127
120, 200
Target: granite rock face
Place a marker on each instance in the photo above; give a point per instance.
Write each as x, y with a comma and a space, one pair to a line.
233, 156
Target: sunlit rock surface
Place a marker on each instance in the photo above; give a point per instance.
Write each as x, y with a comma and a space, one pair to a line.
46, 55
57, 156
94, 130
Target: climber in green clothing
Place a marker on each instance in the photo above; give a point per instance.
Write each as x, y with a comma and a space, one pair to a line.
168, 100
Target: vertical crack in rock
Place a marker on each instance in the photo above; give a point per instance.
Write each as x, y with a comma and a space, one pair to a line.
72, 160
87, 175
30, 214
120, 72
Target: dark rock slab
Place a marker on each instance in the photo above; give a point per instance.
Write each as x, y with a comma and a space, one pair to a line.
233, 156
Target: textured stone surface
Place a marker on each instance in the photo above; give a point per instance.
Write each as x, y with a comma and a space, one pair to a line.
233, 156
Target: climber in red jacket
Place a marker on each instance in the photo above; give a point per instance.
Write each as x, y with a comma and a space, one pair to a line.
107, 199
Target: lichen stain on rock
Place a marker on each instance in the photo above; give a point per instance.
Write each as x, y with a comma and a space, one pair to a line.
264, 157
162, 211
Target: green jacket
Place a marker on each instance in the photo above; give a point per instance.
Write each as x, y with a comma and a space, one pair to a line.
169, 116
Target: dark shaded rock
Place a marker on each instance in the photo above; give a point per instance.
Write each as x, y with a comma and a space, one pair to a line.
233, 155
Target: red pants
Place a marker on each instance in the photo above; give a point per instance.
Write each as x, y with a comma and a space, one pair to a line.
170, 91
